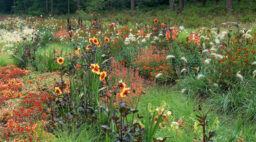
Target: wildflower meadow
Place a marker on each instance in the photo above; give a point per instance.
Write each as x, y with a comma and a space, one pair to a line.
127, 71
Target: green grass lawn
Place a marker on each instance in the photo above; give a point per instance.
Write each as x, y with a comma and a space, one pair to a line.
182, 108
6, 60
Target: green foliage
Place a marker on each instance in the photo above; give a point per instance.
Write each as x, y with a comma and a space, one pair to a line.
183, 108
46, 57
24, 54
81, 134
6, 6
6, 60
211, 10
95, 5
193, 15
151, 122
45, 37
233, 95
38, 7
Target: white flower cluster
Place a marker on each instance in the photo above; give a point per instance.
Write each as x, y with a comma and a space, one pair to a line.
14, 36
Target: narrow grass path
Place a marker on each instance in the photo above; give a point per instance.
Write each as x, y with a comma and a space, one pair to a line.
182, 108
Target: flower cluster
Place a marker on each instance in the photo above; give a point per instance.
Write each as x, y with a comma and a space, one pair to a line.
151, 62
194, 38
96, 69
132, 79
168, 120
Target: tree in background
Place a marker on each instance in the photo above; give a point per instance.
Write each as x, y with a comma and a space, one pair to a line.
204, 2
38, 7
78, 5
171, 3
181, 6
6, 5
229, 5
46, 6
68, 7
132, 4
52, 6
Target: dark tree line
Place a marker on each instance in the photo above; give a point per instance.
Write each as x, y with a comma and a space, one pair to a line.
229, 4
70, 6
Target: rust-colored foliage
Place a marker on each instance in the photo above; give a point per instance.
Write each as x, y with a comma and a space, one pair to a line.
10, 84
21, 114
62, 33
131, 78
11, 72
152, 61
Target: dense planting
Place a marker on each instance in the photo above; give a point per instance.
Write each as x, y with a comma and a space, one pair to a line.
78, 76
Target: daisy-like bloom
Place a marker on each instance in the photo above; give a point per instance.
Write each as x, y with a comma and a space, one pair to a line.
91, 40
88, 47
106, 39
99, 45
112, 25
95, 68
155, 21
103, 75
95, 41
122, 85
60, 60
125, 92
162, 25
58, 90
92, 66
77, 52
